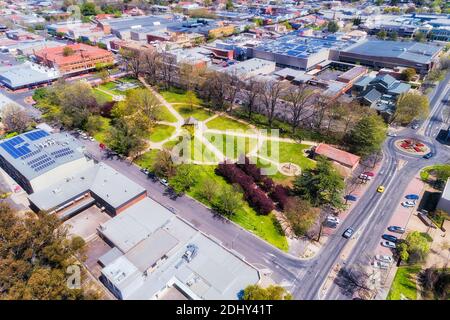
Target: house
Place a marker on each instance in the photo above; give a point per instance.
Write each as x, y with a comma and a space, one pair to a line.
341, 158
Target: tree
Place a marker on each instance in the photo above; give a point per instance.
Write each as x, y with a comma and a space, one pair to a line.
368, 135
301, 215
333, 26
271, 95
382, 34
357, 21
15, 118
34, 254
408, 74
88, 9
417, 246
228, 201
436, 283
190, 99
251, 92
93, 124
163, 165
393, 35
133, 61
321, 185
123, 139
183, 179
229, 5
68, 51
209, 190
356, 279
410, 106
256, 292
299, 99
420, 37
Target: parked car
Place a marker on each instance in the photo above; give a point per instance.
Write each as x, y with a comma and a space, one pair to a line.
348, 233
391, 134
91, 139
396, 229
388, 244
365, 177
380, 189
381, 265
384, 258
164, 182
408, 204
428, 155
389, 237
333, 219
145, 171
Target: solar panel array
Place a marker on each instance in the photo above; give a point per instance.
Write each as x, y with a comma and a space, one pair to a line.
41, 162
33, 153
36, 135
16, 152
61, 153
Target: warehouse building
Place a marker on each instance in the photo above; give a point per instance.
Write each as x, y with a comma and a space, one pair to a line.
390, 54
36, 159
156, 254
26, 75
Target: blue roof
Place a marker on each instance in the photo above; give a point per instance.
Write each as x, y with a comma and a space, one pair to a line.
35, 135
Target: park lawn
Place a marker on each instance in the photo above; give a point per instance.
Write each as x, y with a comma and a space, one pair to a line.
165, 115
271, 170
160, 132
225, 123
287, 152
100, 135
198, 113
404, 283
147, 159
170, 144
199, 152
179, 96
246, 217
111, 88
232, 146
101, 97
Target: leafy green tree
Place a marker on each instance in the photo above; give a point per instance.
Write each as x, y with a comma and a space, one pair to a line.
258, 21
301, 215
367, 135
163, 165
420, 36
416, 245
88, 9
322, 185
393, 35
256, 292
184, 178
408, 74
333, 26
229, 5
410, 106
228, 201
124, 139
382, 34
34, 255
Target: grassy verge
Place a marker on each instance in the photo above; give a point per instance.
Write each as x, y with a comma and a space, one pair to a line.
225, 123
404, 284
101, 97
147, 159
246, 217
198, 113
165, 115
160, 132
100, 135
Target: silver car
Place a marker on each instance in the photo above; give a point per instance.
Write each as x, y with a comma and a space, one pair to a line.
381, 265
384, 258
388, 244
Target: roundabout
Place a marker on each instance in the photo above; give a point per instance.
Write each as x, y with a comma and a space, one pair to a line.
412, 146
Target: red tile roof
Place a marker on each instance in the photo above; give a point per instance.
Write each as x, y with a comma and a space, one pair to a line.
81, 52
337, 155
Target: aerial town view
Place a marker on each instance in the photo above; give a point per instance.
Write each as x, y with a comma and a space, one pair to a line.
227, 150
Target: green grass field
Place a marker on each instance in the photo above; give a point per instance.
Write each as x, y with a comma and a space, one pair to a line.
179, 96
225, 123
198, 113
160, 132
100, 135
246, 217
101, 97
232, 146
147, 159
287, 152
404, 283
165, 115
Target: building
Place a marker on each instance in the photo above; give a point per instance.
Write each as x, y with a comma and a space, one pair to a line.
297, 52
390, 54
343, 158
36, 159
26, 75
81, 58
123, 27
250, 68
98, 184
444, 201
155, 252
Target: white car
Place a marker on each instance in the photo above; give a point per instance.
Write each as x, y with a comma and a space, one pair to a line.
384, 258
164, 182
333, 219
391, 134
408, 204
365, 177
388, 244
381, 265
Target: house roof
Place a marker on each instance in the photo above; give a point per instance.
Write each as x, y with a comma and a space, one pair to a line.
337, 155
81, 52
372, 95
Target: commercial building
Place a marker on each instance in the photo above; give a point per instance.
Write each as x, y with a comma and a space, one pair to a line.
444, 201
37, 159
390, 54
81, 58
298, 52
155, 252
250, 68
26, 75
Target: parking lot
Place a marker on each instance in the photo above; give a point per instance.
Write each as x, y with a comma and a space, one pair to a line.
85, 223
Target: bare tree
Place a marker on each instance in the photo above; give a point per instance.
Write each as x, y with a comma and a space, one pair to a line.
152, 63
251, 92
322, 103
214, 89
233, 86
167, 66
356, 279
299, 98
133, 61
15, 118
271, 95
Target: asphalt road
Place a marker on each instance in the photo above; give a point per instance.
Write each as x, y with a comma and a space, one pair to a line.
369, 217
